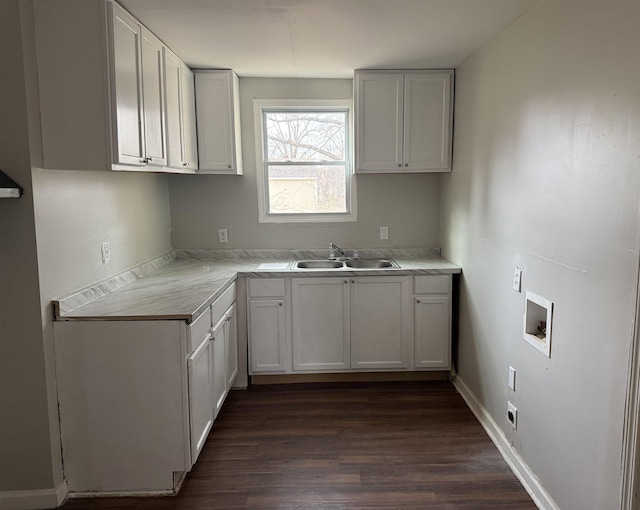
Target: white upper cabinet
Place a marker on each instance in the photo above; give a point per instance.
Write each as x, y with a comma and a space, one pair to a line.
403, 121
153, 100
106, 108
180, 114
218, 119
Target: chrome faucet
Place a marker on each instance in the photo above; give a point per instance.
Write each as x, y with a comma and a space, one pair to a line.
333, 249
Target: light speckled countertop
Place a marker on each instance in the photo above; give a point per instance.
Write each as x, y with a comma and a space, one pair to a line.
183, 287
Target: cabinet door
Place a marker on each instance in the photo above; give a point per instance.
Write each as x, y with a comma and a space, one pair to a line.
153, 100
188, 98
215, 118
219, 367
173, 109
380, 323
200, 395
432, 316
379, 121
267, 335
231, 348
427, 121
320, 320
127, 81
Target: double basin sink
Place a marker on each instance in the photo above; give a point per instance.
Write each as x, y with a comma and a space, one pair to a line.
350, 264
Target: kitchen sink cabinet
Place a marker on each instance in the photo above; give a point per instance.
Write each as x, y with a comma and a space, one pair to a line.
380, 323
269, 342
321, 324
351, 323
432, 322
218, 120
403, 121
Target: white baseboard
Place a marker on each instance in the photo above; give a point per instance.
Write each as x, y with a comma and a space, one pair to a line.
529, 481
35, 499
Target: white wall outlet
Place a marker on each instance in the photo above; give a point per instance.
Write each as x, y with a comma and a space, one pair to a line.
384, 232
223, 235
517, 276
105, 250
512, 415
512, 378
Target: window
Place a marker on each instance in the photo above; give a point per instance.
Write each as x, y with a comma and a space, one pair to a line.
303, 161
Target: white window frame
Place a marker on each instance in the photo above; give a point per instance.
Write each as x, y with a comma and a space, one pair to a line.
264, 105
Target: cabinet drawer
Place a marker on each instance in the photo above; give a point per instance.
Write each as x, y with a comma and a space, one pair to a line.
222, 304
432, 284
198, 329
266, 287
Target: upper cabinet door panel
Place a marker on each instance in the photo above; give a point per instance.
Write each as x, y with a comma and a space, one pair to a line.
188, 98
218, 146
173, 109
153, 97
379, 121
427, 121
126, 66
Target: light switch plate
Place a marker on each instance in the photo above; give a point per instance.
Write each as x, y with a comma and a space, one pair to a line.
512, 378
384, 232
517, 276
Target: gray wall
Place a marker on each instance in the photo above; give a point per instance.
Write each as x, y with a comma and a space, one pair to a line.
50, 247
25, 448
407, 204
546, 178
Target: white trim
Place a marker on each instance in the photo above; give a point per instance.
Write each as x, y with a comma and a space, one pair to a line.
630, 461
527, 478
34, 499
328, 104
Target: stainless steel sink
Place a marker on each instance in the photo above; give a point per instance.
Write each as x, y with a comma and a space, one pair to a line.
370, 263
319, 264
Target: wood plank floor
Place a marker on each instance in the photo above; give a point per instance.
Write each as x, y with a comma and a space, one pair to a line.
406, 445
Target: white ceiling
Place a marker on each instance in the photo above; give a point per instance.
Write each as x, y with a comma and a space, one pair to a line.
325, 38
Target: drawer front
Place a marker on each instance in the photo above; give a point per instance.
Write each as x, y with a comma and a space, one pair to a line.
198, 329
222, 304
432, 284
266, 287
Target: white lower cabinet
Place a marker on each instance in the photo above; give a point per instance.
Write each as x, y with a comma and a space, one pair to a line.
320, 321
380, 322
432, 322
267, 326
137, 399
201, 403
341, 324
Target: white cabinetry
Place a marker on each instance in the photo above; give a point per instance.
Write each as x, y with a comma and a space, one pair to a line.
180, 114
268, 339
403, 121
320, 321
351, 323
105, 108
137, 399
432, 322
201, 410
380, 322
218, 120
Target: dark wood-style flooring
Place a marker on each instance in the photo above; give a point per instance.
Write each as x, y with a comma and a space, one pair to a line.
342, 446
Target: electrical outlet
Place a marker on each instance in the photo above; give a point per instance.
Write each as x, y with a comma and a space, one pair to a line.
105, 250
512, 415
384, 232
512, 378
517, 275
223, 235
